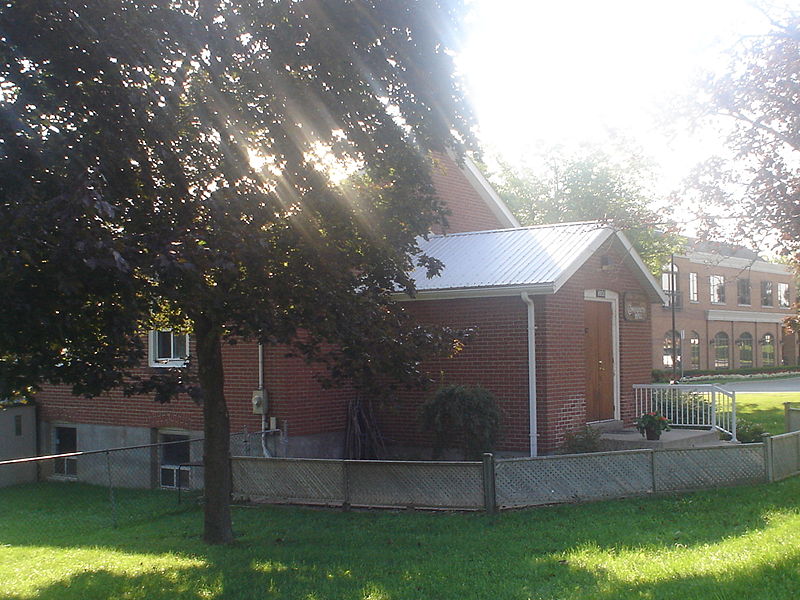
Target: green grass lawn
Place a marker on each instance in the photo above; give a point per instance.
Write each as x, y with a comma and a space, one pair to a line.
736, 543
765, 408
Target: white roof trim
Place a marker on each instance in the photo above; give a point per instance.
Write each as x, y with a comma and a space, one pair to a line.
717, 260
485, 190
631, 252
740, 316
486, 292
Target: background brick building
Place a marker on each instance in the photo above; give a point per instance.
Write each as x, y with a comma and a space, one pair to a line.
729, 307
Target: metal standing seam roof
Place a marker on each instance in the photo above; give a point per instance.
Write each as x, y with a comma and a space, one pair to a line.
540, 256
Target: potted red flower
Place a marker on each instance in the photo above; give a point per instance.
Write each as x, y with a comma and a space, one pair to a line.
651, 424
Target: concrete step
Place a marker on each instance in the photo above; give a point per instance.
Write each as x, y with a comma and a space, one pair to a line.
628, 439
608, 426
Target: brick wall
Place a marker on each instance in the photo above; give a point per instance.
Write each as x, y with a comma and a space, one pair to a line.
561, 371
495, 357
468, 210
294, 394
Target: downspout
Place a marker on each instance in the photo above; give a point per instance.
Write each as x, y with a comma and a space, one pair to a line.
264, 449
534, 445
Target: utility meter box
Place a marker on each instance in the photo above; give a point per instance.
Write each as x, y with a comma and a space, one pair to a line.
259, 402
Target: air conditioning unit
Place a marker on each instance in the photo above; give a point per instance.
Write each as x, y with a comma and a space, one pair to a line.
175, 477
66, 467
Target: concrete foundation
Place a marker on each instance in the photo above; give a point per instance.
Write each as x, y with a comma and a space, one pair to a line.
629, 439
17, 440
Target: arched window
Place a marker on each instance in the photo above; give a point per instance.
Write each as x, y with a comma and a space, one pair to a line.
694, 350
768, 350
722, 356
667, 361
745, 345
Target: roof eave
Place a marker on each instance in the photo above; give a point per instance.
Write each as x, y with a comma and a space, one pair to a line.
477, 292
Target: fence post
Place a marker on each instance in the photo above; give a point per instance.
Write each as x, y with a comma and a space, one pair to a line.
733, 417
111, 491
345, 485
489, 490
767, 439
787, 418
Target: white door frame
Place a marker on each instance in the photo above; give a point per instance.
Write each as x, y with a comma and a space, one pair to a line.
600, 295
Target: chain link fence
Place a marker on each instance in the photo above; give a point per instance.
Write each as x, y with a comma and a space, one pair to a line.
117, 486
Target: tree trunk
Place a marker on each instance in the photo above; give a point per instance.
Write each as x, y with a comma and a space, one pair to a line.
216, 426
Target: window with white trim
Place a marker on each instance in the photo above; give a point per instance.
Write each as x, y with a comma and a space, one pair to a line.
694, 350
745, 345
693, 295
743, 291
768, 350
668, 338
766, 293
716, 284
784, 301
722, 355
168, 349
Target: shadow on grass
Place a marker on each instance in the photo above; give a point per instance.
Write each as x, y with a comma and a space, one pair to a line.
771, 418
303, 553
545, 579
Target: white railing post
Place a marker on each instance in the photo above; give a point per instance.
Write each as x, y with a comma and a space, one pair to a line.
733, 417
713, 407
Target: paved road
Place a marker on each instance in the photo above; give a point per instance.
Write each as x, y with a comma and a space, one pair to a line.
790, 384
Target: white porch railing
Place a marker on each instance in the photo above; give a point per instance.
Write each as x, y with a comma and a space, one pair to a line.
703, 405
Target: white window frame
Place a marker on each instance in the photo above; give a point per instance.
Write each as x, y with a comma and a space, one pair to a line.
174, 361
693, 290
783, 292
749, 289
768, 284
715, 282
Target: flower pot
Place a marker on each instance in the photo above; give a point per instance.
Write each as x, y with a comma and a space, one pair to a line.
652, 433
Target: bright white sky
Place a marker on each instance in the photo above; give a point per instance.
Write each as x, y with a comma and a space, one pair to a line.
573, 71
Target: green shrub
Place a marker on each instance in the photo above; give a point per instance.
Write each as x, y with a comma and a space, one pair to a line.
747, 431
463, 417
581, 441
660, 376
664, 376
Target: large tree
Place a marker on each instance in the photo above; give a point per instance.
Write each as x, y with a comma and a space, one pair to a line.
756, 101
172, 163
591, 185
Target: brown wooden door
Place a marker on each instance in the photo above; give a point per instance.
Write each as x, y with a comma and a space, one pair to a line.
599, 361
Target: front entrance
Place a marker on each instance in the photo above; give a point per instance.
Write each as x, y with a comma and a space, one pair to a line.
599, 347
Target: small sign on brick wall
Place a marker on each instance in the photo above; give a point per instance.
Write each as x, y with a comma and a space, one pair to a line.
635, 306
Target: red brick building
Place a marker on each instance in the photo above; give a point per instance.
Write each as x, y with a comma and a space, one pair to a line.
561, 316
729, 307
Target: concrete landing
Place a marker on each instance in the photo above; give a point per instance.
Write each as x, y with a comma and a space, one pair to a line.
629, 439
